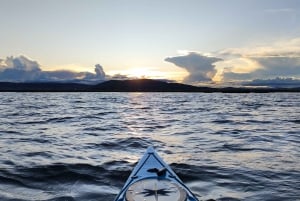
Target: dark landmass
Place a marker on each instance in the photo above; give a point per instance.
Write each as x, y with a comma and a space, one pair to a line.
137, 85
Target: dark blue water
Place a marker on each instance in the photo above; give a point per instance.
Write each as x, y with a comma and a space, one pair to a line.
83, 146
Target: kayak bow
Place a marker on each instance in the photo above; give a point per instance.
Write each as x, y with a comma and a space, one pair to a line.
153, 180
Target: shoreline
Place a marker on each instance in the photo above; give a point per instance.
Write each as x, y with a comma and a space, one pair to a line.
140, 85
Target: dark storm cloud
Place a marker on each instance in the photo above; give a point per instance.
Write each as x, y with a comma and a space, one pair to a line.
22, 69
201, 68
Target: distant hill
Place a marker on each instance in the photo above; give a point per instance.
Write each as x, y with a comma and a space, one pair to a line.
145, 85
42, 87
136, 85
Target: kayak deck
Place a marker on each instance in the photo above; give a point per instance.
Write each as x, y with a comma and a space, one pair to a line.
153, 179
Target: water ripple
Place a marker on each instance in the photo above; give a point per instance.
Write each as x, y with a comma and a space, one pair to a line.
83, 146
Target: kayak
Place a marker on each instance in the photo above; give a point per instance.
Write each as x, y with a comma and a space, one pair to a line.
153, 180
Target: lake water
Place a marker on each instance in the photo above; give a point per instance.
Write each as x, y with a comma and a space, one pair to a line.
83, 146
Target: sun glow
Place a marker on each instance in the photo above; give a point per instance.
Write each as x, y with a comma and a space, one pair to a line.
69, 67
142, 72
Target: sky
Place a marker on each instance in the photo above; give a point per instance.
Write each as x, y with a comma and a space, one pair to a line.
190, 41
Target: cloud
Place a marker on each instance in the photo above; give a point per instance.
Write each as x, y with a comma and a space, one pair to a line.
278, 59
23, 69
119, 77
61, 75
284, 48
19, 69
19, 63
278, 66
276, 82
201, 68
269, 61
240, 66
100, 74
263, 68
281, 59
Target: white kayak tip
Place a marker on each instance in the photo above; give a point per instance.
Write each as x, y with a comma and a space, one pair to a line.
150, 149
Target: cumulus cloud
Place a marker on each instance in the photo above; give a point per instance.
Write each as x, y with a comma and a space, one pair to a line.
19, 63
23, 69
100, 74
240, 66
19, 69
200, 67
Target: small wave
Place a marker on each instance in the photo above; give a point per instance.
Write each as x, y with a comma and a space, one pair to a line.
58, 119
228, 199
236, 147
223, 121
32, 122
62, 198
10, 132
296, 121
91, 117
128, 143
97, 128
252, 105
259, 122
41, 140
241, 147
